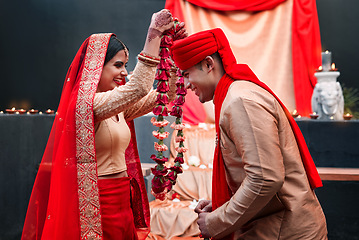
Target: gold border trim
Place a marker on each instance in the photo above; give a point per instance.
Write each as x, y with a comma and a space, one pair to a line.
88, 193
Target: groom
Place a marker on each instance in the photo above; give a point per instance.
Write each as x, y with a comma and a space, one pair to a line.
263, 174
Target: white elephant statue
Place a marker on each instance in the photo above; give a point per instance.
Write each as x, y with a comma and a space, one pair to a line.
328, 100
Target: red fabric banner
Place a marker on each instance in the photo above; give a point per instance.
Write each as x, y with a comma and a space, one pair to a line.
233, 5
306, 52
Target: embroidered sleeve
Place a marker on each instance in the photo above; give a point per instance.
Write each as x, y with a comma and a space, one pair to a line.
110, 103
146, 104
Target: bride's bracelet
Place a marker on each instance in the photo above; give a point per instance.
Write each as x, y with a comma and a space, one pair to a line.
148, 60
150, 56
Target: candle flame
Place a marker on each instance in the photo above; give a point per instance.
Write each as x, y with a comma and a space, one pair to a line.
333, 66
320, 68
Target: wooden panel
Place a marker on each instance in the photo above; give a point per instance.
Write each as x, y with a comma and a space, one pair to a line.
339, 174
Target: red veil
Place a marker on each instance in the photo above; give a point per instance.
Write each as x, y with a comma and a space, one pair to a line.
64, 203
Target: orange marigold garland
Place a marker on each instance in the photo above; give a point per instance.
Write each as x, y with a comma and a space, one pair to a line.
164, 178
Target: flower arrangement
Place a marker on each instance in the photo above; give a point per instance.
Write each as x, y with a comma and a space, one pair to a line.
165, 177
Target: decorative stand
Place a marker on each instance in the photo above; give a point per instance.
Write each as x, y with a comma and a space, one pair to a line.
327, 98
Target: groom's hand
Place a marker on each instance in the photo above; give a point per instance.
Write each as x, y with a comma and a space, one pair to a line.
203, 206
202, 225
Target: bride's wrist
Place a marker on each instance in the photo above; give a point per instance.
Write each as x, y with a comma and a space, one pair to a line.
153, 33
148, 59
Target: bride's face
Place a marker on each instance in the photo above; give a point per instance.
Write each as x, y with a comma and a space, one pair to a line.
114, 72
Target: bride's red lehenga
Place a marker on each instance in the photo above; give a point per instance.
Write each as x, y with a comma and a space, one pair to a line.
65, 200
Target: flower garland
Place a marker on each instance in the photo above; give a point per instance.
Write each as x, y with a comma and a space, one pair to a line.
165, 177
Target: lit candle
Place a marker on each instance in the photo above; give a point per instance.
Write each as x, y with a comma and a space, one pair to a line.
333, 67
11, 111
295, 113
347, 116
21, 111
314, 115
49, 111
326, 60
33, 111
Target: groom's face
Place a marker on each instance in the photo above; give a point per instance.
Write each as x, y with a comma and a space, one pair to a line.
197, 78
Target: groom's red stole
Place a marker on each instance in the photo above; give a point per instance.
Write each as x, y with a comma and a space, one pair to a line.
220, 189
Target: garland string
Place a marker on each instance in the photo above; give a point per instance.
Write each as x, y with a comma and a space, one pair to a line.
165, 177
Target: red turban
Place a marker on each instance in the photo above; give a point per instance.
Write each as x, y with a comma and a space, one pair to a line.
193, 49
189, 51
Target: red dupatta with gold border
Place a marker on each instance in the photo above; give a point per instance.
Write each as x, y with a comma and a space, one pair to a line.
64, 203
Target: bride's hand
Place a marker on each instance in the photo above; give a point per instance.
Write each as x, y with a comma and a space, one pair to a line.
160, 22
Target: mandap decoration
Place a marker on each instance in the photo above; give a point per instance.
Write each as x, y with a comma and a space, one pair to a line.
165, 177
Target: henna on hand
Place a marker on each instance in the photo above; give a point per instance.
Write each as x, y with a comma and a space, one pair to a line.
163, 19
153, 33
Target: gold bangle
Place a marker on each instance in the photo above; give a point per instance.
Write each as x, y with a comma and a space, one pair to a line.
149, 56
148, 61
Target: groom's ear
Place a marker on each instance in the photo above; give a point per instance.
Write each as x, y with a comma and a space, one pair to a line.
209, 63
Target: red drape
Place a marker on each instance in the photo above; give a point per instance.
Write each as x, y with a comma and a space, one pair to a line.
233, 5
306, 45
306, 52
